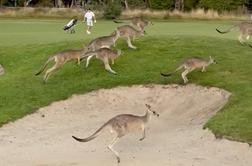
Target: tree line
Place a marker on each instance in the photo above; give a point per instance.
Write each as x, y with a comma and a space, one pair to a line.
183, 5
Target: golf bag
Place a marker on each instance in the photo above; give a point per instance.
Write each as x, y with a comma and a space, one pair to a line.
70, 26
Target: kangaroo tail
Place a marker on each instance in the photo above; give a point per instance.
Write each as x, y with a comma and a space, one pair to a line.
169, 74
166, 75
45, 65
250, 45
93, 136
228, 30
118, 22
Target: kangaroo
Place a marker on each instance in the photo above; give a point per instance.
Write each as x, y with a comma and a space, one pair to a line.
122, 125
129, 32
104, 54
245, 29
60, 59
139, 22
104, 41
191, 64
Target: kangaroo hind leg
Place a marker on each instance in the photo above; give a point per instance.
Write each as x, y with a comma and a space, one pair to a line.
110, 147
248, 36
50, 71
107, 66
203, 69
112, 61
88, 59
241, 40
143, 137
130, 44
184, 75
78, 60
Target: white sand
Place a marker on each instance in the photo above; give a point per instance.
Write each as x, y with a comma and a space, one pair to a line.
176, 138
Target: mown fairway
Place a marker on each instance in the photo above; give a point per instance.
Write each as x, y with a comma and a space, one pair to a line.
26, 44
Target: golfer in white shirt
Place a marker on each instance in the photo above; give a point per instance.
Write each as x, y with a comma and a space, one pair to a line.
89, 17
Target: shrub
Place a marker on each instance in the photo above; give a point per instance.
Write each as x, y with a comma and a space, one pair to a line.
133, 4
113, 10
190, 4
220, 5
161, 4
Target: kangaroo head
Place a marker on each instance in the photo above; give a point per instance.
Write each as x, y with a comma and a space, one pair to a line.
211, 60
149, 109
116, 33
141, 33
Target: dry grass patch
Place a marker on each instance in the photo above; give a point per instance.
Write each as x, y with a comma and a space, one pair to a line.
44, 12
194, 14
155, 14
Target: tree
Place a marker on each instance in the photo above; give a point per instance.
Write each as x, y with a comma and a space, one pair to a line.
248, 4
134, 4
58, 3
179, 4
190, 4
113, 9
220, 5
126, 4
161, 4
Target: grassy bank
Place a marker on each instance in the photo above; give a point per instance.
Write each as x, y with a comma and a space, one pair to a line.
167, 43
63, 13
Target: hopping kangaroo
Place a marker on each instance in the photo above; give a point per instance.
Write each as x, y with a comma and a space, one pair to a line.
191, 64
105, 55
60, 59
104, 41
139, 22
129, 32
245, 29
122, 125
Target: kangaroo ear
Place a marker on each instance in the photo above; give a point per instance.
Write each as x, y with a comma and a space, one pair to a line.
210, 57
148, 106
113, 33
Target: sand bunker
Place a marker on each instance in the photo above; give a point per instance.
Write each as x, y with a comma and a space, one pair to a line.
176, 138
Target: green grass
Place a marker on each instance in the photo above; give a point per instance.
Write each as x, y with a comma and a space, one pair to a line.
26, 44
